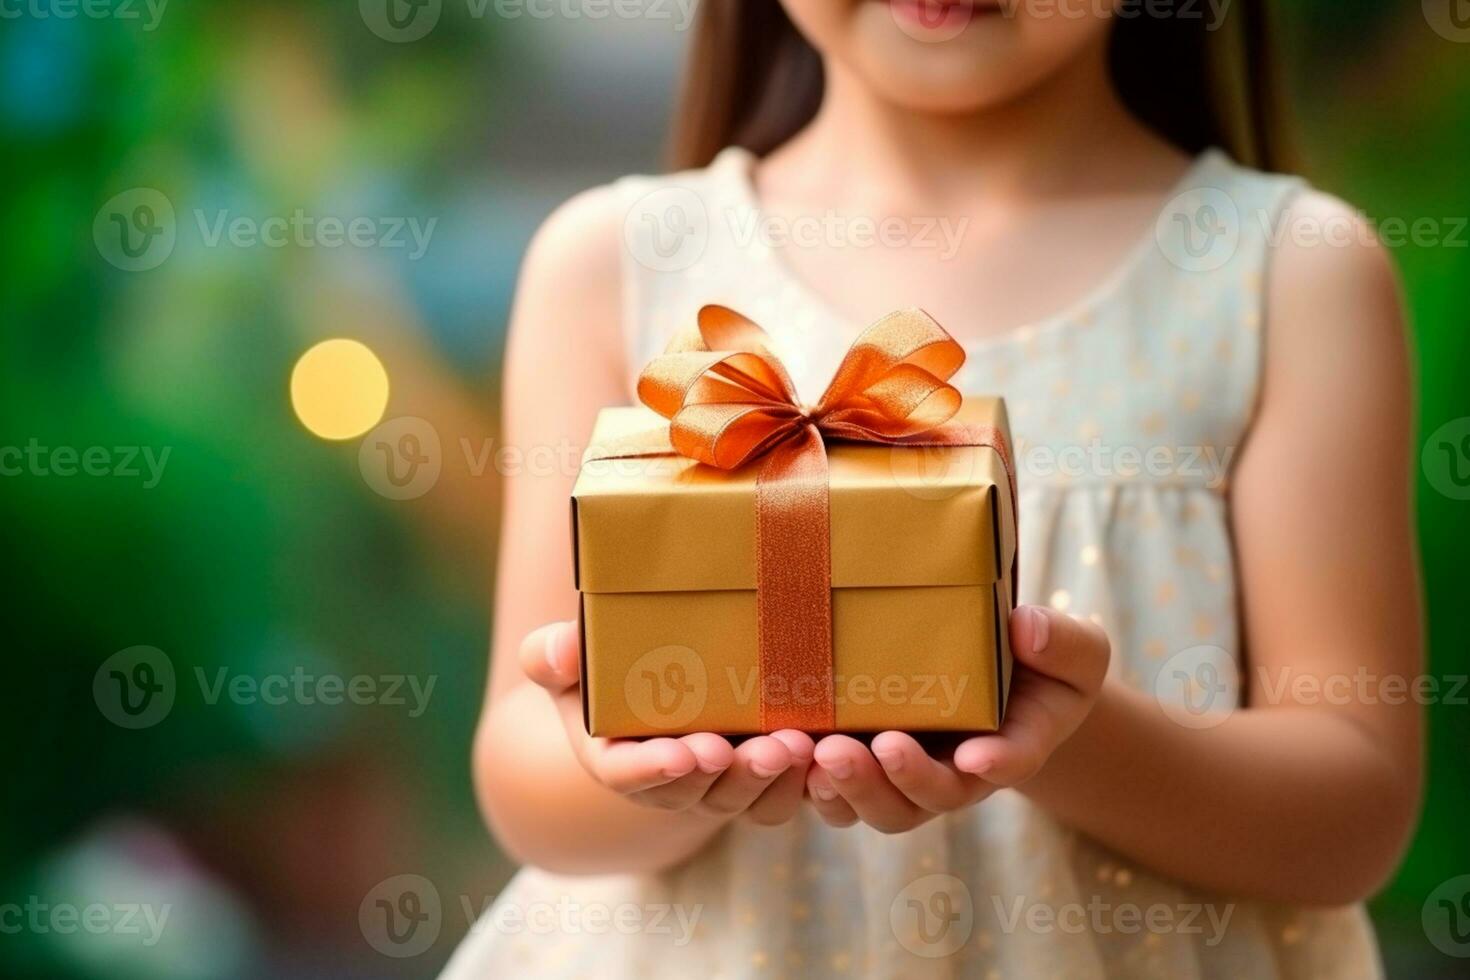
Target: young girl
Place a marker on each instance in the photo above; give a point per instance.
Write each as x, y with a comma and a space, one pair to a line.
1212, 801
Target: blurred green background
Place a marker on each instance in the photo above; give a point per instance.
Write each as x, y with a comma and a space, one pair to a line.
255, 549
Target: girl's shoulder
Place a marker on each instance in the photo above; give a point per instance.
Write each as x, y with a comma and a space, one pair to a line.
1331, 286
1300, 237
656, 220
584, 264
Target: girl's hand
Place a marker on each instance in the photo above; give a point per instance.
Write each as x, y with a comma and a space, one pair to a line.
1060, 663
762, 778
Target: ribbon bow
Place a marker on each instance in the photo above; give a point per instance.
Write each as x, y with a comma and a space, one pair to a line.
729, 400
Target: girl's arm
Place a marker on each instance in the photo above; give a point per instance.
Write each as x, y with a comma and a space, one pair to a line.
555, 797
1310, 792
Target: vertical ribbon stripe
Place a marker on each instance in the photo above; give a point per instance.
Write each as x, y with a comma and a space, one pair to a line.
793, 594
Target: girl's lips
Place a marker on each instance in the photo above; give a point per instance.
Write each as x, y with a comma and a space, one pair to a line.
940, 15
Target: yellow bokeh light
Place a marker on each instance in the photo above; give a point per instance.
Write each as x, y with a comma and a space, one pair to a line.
339, 389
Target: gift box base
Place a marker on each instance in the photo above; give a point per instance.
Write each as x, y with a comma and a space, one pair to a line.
930, 658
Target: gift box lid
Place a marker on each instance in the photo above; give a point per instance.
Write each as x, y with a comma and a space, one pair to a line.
901, 516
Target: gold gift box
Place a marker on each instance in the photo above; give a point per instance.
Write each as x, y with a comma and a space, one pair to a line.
922, 548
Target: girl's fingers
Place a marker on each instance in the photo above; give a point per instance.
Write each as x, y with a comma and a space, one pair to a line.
859, 779
782, 798
758, 761
629, 767
1072, 651
549, 656
712, 756
830, 806
1018, 751
926, 781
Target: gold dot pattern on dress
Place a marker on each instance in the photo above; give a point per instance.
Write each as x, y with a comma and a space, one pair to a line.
1175, 366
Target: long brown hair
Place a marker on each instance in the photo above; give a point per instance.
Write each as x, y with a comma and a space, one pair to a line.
752, 80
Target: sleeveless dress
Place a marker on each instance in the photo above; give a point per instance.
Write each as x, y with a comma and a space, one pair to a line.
1126, 410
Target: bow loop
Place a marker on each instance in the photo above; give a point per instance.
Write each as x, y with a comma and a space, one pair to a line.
729, 398
895, 366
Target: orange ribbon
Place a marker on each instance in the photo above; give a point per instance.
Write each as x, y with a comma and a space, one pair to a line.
729, 400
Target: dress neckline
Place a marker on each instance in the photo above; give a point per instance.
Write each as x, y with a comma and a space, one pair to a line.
740, 165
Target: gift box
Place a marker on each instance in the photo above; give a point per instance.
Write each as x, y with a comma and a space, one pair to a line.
719, 598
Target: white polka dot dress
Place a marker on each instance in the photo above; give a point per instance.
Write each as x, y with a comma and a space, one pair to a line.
1127, 411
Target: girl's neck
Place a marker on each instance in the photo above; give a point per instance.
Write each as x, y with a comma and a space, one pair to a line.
1068, 133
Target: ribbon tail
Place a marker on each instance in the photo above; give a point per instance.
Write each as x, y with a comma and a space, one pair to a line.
794, 586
